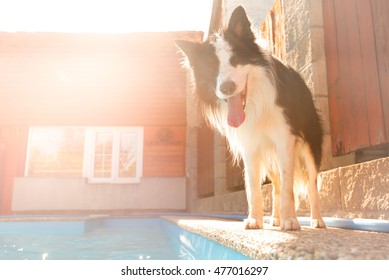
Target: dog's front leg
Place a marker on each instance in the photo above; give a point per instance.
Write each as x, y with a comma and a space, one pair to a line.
286, 159
253, 178
275, 179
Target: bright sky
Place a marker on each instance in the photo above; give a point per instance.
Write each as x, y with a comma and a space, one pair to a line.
112, 16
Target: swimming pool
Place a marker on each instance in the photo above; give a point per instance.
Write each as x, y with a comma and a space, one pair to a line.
107, 239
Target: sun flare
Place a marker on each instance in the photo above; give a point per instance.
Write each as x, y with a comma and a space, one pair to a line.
106, 16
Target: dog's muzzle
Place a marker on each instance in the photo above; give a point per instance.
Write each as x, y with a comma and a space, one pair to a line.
236, 102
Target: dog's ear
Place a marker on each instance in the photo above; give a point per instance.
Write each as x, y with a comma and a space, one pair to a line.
190, 49
239, 24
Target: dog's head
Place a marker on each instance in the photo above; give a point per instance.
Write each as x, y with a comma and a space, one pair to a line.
221, 65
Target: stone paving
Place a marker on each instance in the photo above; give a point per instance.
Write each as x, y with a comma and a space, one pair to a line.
273, 244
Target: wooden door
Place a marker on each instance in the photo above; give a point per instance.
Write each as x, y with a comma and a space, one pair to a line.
205, 162
357, 54
235, 174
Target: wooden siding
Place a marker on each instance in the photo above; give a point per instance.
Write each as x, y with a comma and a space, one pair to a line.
164, 151
92, 79
357, 72
13, 147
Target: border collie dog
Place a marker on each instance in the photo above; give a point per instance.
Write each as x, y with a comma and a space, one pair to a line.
266, 112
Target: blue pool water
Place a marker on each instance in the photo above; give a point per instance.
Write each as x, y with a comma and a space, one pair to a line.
107, 239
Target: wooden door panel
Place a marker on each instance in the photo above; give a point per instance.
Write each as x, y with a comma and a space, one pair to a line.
205, 162
380, 11
355, 97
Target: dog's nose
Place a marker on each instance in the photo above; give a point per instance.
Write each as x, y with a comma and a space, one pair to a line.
228, 87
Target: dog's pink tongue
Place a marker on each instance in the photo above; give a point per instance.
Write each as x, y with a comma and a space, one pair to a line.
236, 114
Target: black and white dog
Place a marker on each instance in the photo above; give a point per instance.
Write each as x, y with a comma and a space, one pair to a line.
266, 112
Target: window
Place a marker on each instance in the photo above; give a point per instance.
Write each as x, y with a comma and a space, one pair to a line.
101, 154
55, 152
115, 154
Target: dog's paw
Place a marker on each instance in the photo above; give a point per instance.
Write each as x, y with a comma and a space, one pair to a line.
275, 222
251, 223
317, 223
290, 224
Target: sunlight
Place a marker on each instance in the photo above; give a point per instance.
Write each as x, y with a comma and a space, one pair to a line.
106, 16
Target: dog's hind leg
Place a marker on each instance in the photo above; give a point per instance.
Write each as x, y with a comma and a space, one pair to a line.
286, 158
316, 218
253, 177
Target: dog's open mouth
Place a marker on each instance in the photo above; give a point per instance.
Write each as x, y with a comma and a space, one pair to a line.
236, 106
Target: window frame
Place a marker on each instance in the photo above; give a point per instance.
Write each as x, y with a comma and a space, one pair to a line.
89, 154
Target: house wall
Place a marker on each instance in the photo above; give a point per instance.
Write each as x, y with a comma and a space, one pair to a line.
75, 194
54, 79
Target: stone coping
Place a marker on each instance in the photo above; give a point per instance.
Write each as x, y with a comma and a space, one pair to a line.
273, 244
